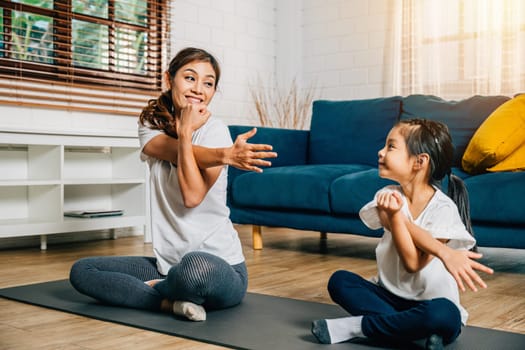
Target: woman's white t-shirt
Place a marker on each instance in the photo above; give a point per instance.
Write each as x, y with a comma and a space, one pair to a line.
441, 218
177, 230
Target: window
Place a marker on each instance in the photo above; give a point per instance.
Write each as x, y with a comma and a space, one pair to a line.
114, 47
457, 48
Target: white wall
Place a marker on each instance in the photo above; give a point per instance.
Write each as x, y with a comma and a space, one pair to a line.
242, 35
338, 46
345, 46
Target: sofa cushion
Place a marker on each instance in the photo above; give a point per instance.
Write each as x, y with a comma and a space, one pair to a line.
497, 197
498, 137
350, 192
462, 117
351, 132
300, 187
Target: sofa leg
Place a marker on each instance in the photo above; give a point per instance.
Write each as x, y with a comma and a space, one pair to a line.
257, 237
324, 236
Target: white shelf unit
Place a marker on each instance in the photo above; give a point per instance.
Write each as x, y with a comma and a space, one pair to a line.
44, 174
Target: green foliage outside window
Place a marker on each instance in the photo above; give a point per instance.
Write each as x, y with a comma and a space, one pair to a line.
90, 45
96, 8
46, 4
33, 36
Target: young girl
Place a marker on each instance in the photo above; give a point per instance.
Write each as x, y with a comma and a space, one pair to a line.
198, 261
414, 296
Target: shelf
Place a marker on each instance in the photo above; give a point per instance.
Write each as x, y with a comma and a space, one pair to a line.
42, 175
30, 227
29, 162
87, 181
11, 183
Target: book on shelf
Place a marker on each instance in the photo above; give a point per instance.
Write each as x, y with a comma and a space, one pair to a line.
93, 213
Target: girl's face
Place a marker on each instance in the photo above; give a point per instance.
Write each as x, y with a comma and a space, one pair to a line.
193, 83
395, 162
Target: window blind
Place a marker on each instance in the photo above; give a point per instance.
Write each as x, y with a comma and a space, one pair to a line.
101, 56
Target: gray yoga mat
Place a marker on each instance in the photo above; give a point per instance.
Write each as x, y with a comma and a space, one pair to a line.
259, 322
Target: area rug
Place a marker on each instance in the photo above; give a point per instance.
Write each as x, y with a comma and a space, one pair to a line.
260, 322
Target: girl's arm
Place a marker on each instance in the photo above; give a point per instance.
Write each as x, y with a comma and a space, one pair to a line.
413, 258
241, 154
459, 263
389, 206
417, 247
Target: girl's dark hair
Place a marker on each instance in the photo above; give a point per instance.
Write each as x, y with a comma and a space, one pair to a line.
160, 113
433, 138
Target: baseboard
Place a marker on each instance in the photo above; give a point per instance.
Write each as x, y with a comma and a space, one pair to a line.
70, 237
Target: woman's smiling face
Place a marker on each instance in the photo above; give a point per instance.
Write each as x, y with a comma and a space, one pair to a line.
193, 83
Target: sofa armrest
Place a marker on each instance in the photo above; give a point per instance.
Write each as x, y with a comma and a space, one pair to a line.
291, 145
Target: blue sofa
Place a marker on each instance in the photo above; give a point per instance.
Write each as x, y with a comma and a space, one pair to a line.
323, 176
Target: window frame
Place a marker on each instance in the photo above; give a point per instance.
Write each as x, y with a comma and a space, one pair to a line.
63, 71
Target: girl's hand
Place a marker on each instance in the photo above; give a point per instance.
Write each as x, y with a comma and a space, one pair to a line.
249, 156
192, 117
462, 267
390, 202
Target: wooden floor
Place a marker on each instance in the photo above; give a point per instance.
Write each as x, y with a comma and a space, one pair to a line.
295, 264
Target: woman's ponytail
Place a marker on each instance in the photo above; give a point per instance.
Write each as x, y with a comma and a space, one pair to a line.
158, 114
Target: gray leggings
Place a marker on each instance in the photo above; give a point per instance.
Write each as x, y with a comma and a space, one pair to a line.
201, 278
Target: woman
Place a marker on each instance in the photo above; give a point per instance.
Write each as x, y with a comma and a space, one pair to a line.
198, 261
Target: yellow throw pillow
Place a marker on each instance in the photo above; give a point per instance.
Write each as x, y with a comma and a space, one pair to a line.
497, 138
514, 161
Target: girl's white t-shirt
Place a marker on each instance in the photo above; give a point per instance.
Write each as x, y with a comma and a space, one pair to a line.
442, 220
177, 230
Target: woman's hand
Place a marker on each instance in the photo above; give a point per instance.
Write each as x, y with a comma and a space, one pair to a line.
462, 267
192, 117
248, 156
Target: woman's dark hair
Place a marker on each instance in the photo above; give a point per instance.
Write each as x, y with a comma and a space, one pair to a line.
159, 113
433, 138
